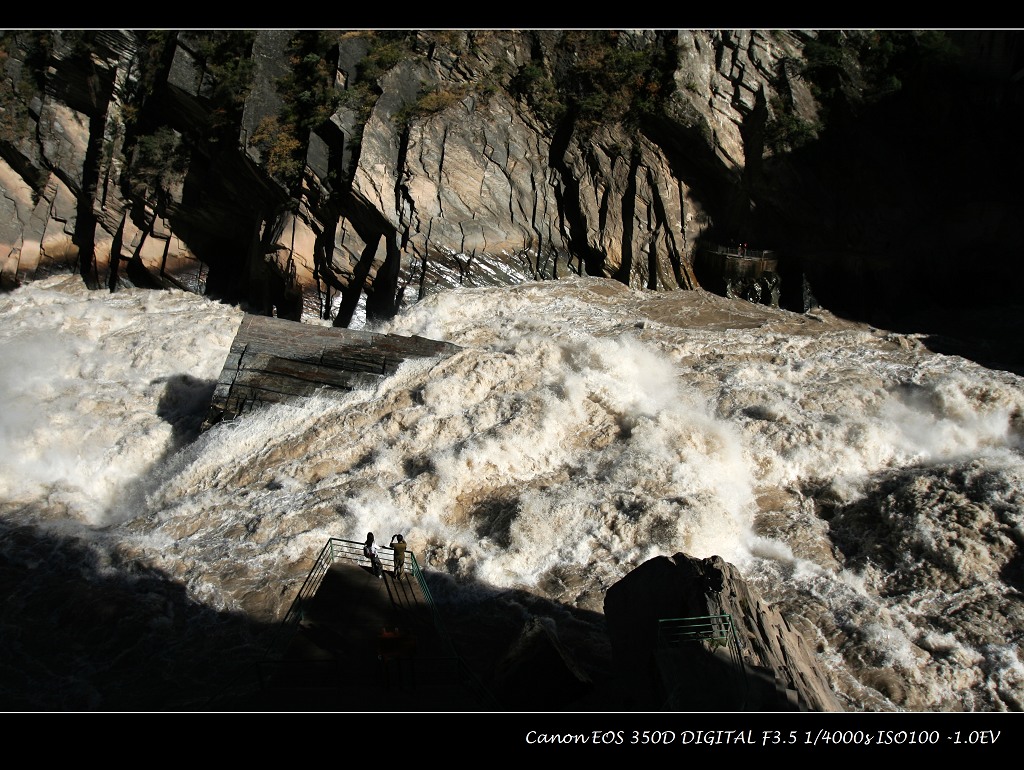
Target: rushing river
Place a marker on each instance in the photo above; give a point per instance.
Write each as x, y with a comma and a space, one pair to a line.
869, 488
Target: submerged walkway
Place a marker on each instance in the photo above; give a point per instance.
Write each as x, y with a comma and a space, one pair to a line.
273, 360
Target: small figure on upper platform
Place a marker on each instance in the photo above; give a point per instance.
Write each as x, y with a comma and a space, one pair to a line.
370, 552
399, 545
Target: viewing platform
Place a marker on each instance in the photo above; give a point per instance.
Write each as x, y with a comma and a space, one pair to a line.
352, 641
739, 272
355, 642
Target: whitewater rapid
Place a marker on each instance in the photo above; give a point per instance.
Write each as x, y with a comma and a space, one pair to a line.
866, 486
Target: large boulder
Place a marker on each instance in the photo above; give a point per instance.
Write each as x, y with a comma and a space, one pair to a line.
751, 660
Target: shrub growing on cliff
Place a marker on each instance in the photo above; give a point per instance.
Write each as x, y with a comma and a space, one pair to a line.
613, 82
226, 55
785, 130
431, 102
159, 156
28, 53
386, 49
600, 78
310, 95
308, 88
891, 59
537, 87
280, 147
848, 69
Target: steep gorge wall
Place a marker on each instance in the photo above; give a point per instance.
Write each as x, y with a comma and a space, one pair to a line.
126, 160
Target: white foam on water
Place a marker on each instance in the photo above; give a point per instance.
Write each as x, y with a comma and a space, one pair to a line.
582, 429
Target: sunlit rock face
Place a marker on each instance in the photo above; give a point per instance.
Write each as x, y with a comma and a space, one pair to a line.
460, 158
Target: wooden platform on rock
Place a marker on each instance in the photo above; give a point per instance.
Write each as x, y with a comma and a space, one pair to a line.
274, 360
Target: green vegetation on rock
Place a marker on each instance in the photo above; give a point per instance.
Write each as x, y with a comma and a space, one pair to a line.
599, 78
23, 61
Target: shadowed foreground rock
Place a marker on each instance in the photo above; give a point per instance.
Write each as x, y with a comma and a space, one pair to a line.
539, 672
776, 670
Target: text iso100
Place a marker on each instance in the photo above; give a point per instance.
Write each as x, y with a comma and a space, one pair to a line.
849, 737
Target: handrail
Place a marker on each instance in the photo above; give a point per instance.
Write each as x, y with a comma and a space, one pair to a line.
306, 592
742, 252
713, 628
337, 549
718, 630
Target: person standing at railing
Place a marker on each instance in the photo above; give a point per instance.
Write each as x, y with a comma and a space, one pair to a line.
370, 552
399, 545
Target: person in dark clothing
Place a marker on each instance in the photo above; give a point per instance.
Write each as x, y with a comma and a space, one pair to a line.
399, 545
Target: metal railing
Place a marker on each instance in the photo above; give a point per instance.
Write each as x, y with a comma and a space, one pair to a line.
336, 550
714, 631
740, 251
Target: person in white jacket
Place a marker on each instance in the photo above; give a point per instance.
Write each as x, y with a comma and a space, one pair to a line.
370, 552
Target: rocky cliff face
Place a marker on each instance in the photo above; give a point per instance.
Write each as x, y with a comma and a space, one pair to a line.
314, 174
761, 663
